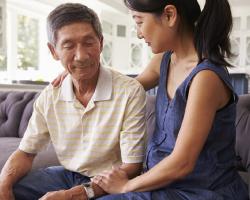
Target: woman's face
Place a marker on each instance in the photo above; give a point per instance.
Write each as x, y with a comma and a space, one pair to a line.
155, 31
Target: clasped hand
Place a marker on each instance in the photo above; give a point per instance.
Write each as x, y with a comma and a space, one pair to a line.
113, 181
75, 193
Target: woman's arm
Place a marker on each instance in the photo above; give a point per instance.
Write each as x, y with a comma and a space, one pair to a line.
149, 78
196, 125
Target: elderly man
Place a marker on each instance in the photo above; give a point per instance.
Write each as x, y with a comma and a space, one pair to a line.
96, 120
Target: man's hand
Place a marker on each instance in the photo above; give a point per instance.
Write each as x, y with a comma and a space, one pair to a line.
6, 194
75, 193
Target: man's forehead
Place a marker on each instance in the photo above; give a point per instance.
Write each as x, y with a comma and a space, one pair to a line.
76, 28
74, 35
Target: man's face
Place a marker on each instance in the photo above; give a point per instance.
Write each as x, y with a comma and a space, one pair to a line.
78, 48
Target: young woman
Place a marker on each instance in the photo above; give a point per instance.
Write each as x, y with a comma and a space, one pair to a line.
191, 153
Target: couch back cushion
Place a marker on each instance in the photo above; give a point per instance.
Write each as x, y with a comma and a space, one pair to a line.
28, 110
12, 106
243, 132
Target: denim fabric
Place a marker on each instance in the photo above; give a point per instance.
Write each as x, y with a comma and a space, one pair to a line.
37, 183
215, 177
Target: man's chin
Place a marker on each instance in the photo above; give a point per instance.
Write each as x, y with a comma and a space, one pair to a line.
82, 76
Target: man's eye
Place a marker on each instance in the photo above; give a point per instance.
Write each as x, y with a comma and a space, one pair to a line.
89, 43
69, 47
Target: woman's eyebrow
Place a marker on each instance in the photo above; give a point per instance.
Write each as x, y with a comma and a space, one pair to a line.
134, 16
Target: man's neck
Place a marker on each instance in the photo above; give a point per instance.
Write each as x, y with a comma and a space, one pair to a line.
84, 89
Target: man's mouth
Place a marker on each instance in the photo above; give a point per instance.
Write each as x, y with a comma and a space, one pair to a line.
82, 67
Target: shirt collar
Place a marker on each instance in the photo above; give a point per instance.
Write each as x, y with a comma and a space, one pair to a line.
103, 89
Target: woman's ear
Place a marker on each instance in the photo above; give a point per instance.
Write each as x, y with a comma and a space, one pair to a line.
170, 14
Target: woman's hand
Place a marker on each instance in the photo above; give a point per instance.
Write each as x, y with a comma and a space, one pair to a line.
58, 80
112, 181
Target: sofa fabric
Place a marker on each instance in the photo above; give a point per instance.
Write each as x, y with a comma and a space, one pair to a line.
243, 135
12, 105
43, 160
26, 115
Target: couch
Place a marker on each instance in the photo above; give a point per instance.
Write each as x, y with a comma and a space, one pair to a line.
16, 109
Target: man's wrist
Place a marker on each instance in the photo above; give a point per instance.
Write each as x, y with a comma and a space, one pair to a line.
89, 191
99, 192
6, 185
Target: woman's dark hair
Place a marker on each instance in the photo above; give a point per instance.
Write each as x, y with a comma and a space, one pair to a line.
212, 26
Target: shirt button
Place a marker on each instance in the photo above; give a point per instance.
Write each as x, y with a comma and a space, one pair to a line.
84, 116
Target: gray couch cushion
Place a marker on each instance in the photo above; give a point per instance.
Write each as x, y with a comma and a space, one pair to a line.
43, 160
243, 136
28, 110
12, 105
243, 132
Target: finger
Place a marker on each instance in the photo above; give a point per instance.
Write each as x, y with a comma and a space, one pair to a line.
99, 177
65, 74
118, 169
61, 80
55, 82
115, 168
104, 173
100, 183
62, 77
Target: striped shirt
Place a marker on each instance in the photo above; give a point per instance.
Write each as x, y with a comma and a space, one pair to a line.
109, 131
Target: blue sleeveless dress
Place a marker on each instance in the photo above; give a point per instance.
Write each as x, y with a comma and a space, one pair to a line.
215, 176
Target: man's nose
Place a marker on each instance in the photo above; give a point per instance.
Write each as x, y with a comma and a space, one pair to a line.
139, 33
81, 53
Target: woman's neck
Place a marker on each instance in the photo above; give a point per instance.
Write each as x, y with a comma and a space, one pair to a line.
184, 50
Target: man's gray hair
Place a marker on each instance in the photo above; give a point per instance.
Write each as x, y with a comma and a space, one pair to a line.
69, 13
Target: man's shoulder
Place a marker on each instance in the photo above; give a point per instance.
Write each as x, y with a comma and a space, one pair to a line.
50, 91
124, 80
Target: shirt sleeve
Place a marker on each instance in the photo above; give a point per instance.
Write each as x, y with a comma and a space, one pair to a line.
133, 136
36, 138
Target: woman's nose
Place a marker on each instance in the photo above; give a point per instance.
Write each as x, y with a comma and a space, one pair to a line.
139, 33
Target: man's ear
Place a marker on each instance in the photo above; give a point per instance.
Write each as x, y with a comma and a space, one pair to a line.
52, 51
101, 44
170, 14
